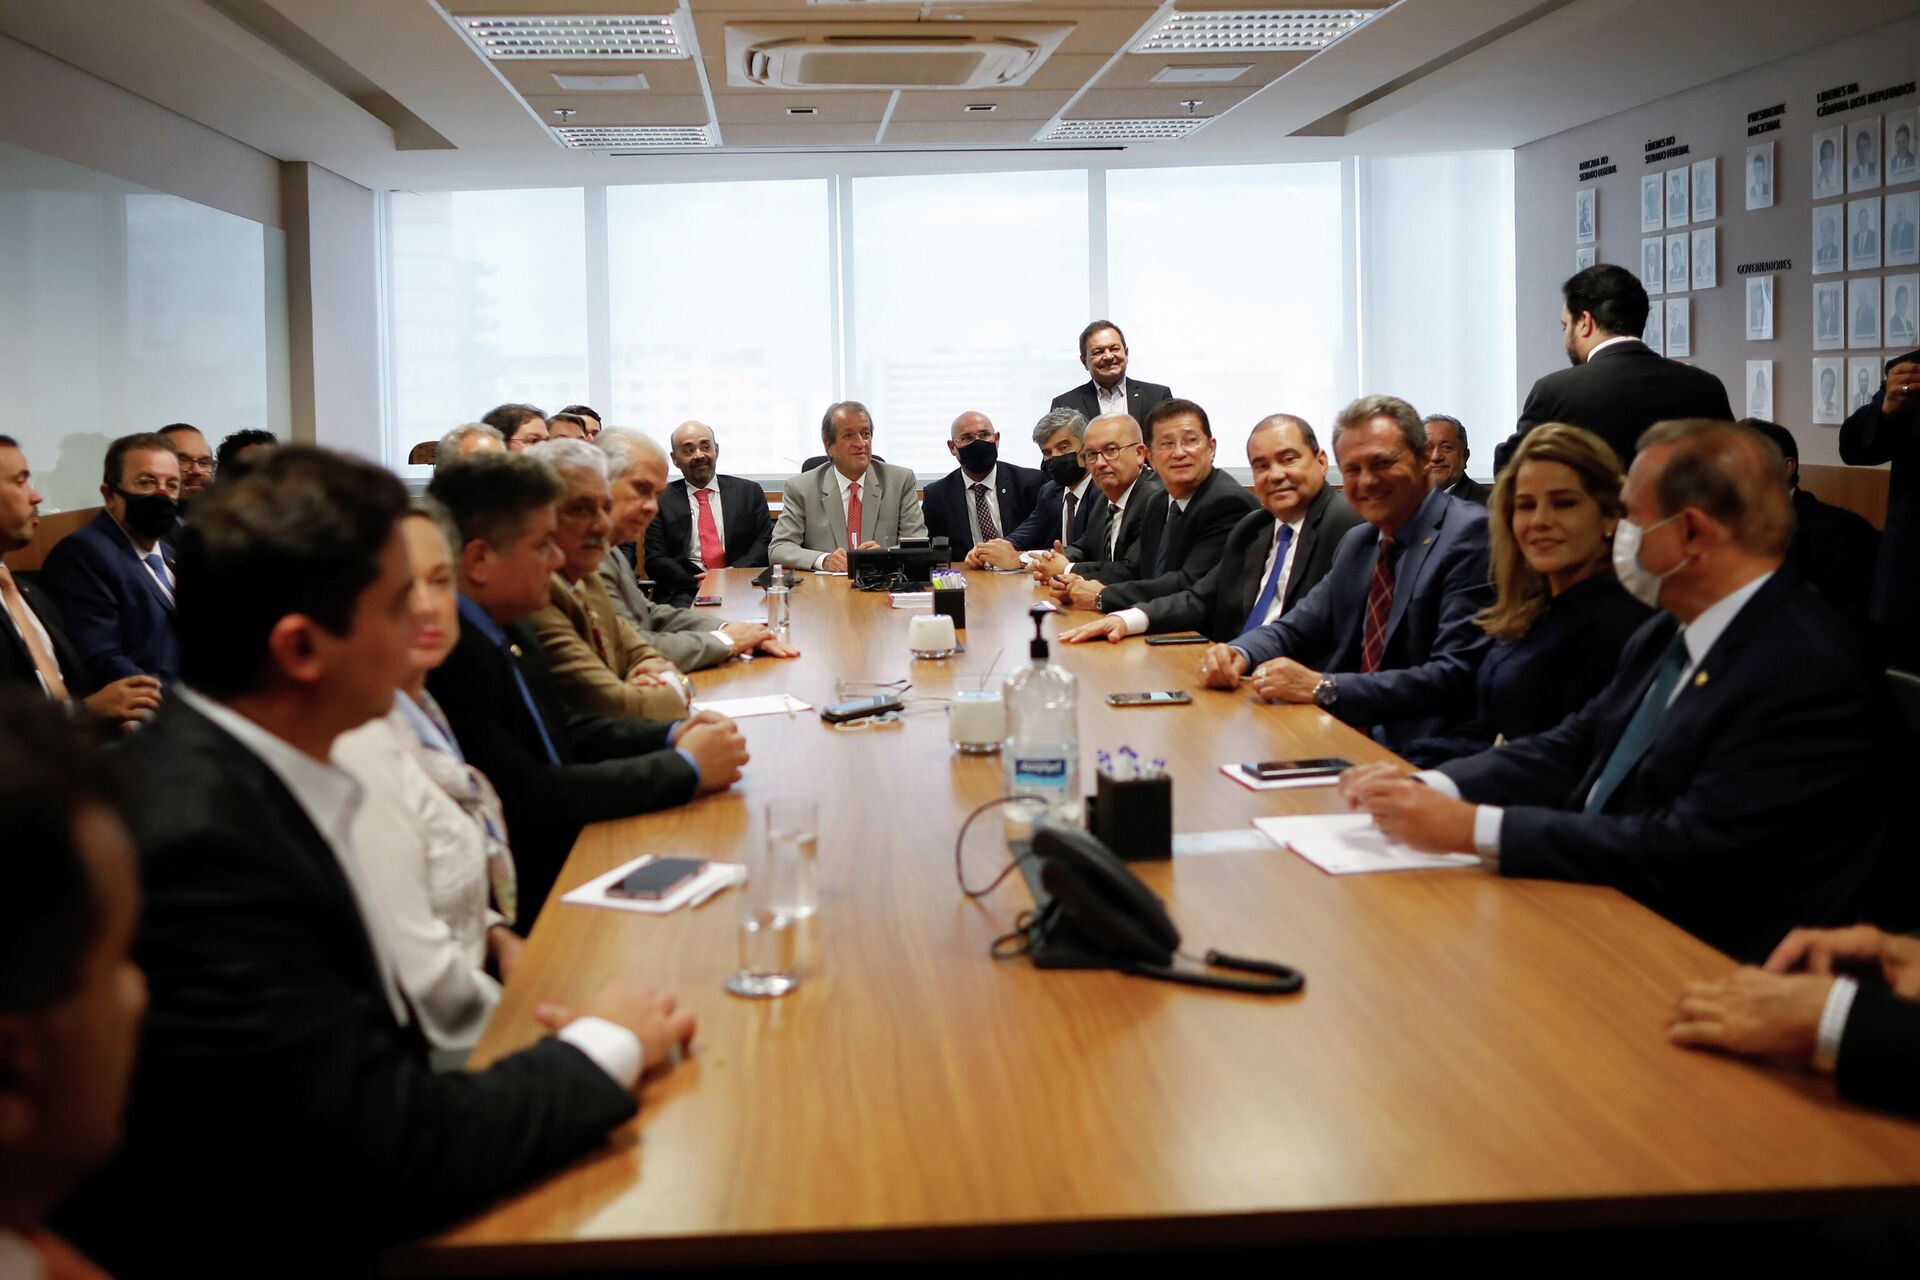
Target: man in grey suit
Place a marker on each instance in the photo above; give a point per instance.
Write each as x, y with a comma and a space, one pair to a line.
853, 501
637, 469
1271, 559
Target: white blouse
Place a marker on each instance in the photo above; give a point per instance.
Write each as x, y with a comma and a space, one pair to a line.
426, 861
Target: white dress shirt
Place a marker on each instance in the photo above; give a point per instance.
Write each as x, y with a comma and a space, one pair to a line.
1616, 340
1136, 619
1699, 637
1112, 399
694, 550
425, 861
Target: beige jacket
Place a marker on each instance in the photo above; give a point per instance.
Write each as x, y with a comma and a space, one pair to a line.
568, 628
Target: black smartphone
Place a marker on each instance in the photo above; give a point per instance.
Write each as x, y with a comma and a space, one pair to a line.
858, 708
1178, 640
1150, 698
1273, 770
652, 881
706, 602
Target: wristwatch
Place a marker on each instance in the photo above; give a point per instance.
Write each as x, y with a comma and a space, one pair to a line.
1326, 693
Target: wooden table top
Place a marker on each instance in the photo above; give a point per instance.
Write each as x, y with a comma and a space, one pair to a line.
1469, 1052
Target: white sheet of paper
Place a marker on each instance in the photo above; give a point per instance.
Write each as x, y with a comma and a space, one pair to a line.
1192, 844
717, 876
1251, 783
1344, 844
772, 704
911, 599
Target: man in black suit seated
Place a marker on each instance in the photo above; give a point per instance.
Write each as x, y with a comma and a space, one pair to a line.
1115, 456
556, 767
35, 652
1887, 429
1734, 775
1186, 524
1103, 353
706, 520
1833, 548
1447, 460
1066, 501
1845, 1002
1387, 639
983, 498
283, 1079
1271, 559
1617, 386
71, 997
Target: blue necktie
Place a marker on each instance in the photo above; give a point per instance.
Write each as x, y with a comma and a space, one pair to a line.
1166, 538
526, 697
160, 575
1272, 588
1643, 728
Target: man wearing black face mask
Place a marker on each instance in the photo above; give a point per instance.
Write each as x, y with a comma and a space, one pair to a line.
1065, 502
112, 579
984, 498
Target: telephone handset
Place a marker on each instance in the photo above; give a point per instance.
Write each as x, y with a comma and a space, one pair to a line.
1097, 914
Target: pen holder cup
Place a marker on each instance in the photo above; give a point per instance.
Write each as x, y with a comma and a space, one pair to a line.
1134, 819
953, 603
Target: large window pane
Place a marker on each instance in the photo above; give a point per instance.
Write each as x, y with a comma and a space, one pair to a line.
1229, 285
489, 305
722, 308
968, 291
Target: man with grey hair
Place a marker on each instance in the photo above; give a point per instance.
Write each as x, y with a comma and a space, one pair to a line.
1387, 641
1447, 455
1735, 775
1066, 502
637, 468
983, 498
465, 440
854, 501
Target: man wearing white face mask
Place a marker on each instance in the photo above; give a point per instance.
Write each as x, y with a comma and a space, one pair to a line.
1735, 775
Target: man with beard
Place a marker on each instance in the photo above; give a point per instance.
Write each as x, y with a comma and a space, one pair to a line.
706, 521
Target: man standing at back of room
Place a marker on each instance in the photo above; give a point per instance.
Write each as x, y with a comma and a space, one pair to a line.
1617, 387
1103, 353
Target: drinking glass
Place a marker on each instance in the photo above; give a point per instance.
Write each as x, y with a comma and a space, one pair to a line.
767, 963
793, 840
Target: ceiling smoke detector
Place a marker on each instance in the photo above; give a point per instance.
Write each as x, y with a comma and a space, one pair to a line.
1252, 31
506, 39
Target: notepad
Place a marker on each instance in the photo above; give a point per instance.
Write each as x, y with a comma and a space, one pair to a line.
717, 876
911, 599
772, 704
1343, 844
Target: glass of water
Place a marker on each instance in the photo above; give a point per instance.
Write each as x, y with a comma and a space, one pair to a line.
793, 838
768, 964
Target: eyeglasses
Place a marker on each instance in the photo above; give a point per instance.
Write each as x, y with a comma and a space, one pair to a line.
1111, 452
1192, 443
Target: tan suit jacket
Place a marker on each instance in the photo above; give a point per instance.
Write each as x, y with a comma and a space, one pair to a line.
565, 629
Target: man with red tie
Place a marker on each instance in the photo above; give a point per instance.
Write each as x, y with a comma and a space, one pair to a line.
706, 521
853, 500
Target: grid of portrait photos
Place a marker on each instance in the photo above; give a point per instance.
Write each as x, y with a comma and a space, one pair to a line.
1678, 255
1863, 237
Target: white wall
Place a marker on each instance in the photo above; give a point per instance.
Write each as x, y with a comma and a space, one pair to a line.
333, 303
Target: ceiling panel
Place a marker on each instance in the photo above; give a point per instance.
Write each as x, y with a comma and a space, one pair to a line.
621, 108
1136, 71
970, 133
799, 133
556, 8
930, 106
769, 106
1142, 104
664, 75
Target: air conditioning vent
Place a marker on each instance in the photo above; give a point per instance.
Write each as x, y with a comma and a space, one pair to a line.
899, 55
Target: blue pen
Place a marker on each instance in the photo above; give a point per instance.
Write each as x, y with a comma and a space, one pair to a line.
1131, 763
1159, 768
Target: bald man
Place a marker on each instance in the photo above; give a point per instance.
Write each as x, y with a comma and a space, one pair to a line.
983, 498
706, 521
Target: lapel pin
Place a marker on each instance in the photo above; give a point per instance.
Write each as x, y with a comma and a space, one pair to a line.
514, 649
1428, 542
1700, 680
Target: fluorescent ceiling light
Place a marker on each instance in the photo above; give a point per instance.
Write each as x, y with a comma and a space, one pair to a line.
1123, 130
634, 83
1252, 31
515, 38
594, 137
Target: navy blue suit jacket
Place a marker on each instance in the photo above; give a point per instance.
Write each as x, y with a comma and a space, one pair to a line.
1041, 529
1762, 802
116, 616
1434, 647
947, 500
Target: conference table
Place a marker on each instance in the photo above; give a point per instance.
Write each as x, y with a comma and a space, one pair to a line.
1469, 1053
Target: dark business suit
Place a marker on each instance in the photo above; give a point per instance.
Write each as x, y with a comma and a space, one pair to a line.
116, 615
1467, 489
1834, 550
1173, 558
1433, 646
1090, 554
1879, 1062
1141, 397
1220, 601
1016, 492
1761, 802
1041, 529
743, 508
1617, 394
610, 767
1867, 438
16, 664
274, 1083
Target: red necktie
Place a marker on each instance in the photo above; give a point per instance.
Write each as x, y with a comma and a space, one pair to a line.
853, 514
1379, 607
713, 553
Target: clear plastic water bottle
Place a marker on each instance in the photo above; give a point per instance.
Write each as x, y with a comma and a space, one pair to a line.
1042, 755
779, 619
